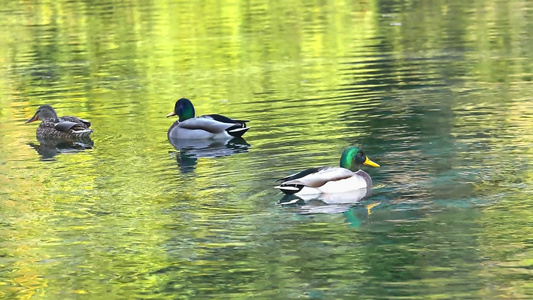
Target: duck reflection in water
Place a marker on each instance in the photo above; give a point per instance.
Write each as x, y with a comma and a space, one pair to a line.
48, 148
190, 150
335, 203
331, 203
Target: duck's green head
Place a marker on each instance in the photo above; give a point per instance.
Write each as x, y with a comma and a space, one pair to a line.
184, 109
44, 112
352, 158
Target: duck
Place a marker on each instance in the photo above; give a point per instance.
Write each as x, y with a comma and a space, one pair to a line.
212, 126
348, 177
66, 128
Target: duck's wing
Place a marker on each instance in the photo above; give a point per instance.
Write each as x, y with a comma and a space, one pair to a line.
301, 174
314, 178
224, 119
68, 127
237, 128
86, 123
65, 126
73, 125
207, 124
216, 124
320, 177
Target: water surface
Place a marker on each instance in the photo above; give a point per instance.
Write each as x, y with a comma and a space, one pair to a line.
438, 93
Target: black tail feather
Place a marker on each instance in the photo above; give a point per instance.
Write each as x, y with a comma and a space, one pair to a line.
290, 189
237, 132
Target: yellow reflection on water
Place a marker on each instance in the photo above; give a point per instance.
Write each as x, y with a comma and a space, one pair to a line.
312, 77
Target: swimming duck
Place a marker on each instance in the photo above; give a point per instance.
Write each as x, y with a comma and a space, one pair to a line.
66, 128
324, 180
203, 127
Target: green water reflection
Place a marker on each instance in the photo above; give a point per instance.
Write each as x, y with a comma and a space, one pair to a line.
436, 92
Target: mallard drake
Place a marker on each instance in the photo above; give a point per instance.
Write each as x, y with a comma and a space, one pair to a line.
202, 127
66, 128
324, 180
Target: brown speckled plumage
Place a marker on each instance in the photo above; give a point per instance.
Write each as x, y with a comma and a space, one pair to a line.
67, 128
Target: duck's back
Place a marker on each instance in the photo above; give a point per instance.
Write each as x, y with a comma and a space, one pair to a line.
207, 127
67, 128
82, 124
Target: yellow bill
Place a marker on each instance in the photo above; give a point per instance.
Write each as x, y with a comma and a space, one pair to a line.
368, 162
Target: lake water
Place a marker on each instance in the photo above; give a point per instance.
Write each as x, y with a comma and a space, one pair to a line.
437, 92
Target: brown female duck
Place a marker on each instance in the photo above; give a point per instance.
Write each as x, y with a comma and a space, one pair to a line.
66, 128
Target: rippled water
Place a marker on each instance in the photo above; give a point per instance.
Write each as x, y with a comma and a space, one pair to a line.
438, 93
